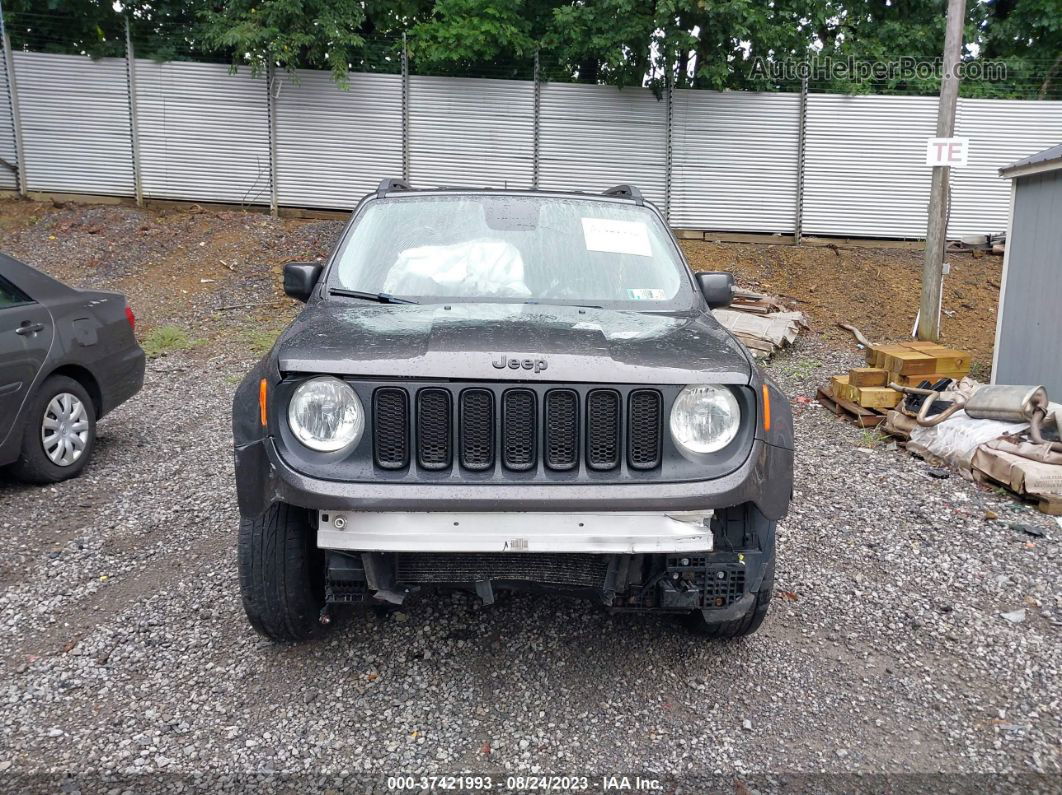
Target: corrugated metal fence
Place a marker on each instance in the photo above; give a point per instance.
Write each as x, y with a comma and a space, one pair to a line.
734, 161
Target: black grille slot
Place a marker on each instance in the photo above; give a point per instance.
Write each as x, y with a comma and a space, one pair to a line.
573, 569
562, 429
476, 446
603, 429
518, 429
390, 438
644, 434
433, 428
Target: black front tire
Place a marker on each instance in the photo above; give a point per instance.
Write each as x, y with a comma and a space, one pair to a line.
33, 464
282, 574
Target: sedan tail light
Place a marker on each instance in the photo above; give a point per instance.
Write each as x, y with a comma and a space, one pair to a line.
130, 317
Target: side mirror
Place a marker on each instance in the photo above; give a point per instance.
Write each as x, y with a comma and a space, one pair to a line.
300, 279
717, 287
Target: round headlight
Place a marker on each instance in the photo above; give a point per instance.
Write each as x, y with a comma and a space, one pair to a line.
325, 414
704, 418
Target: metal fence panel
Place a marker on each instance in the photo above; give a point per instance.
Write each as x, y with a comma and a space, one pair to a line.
75, 123
593, 137
734, 160
204, 133
865, 171
8, 180
335, 145
467, 131
1000, 132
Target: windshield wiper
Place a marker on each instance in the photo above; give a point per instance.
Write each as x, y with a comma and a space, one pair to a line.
382, 298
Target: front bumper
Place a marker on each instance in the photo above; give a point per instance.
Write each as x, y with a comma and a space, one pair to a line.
437, 531
765, 479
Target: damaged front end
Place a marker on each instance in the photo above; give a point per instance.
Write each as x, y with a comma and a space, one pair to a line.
723, 581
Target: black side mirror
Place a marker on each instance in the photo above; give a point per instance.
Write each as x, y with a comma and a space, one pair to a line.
300, 279
717, 287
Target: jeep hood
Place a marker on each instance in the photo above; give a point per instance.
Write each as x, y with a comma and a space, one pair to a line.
465, 341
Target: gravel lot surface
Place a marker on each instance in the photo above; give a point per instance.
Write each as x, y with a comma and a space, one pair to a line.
126, 650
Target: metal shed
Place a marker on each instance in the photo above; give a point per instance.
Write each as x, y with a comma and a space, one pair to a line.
1028, 346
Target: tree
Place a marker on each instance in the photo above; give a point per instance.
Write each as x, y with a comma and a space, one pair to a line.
321, 34
702, 43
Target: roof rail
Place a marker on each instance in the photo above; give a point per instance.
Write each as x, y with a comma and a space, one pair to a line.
391, 184
626, 192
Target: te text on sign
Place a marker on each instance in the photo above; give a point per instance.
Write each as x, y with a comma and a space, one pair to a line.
947, 152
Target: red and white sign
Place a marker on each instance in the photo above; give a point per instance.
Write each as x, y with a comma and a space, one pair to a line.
947, 152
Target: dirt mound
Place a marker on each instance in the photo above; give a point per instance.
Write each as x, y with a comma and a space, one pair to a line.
877, 290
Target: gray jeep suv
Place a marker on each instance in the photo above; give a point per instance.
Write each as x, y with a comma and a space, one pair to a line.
495, 389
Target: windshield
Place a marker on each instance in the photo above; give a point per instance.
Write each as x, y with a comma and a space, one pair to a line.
513, 249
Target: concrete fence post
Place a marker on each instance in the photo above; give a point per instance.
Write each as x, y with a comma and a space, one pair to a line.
669, 93
16, 118
801, 136
536, 123
272, 92
134, 116
405, 110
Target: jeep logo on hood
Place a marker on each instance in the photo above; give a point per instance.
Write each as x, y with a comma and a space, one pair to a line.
501, 361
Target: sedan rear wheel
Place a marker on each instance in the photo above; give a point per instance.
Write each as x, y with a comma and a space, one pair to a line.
65, 429
60, 432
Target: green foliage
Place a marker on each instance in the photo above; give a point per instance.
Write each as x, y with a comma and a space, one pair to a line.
259, 341
871, 438
700, 43
464, 33
162, 340
321, 34
799, 367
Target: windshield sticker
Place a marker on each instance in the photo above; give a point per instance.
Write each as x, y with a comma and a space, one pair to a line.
648, 294
617, 237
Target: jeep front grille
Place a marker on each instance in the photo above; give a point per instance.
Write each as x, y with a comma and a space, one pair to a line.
562, 429
477, 429
519, 434
644, 430
390, 436
518, 428
602, 429
433, 428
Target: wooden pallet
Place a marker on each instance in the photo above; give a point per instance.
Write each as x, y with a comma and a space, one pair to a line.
1050, 505
864, 418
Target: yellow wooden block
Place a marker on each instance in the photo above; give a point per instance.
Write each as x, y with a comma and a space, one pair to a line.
908, 362
868, 376
841, 388
949, 360
877, 353
877, 397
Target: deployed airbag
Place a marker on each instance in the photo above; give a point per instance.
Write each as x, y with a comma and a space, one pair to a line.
475, 268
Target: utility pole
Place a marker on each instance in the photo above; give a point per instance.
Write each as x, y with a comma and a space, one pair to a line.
939, 196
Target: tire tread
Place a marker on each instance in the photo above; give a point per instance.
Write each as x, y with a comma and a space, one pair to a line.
277, 573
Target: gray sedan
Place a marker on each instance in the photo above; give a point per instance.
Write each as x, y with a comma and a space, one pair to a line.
67, 357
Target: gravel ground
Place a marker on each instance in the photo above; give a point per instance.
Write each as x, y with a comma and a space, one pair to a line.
126, 651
